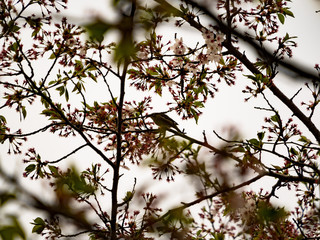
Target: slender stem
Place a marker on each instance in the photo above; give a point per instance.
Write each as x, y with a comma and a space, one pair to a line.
209, 196
277, 92
127, 32
249, 65
115, 183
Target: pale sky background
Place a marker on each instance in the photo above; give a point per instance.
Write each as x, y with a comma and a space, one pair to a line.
226, 109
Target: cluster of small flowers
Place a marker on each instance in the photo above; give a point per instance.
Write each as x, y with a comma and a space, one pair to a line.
178, 47
143, 53
214, 47
212, 54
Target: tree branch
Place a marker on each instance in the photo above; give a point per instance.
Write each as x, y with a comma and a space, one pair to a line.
226, 30
291, 67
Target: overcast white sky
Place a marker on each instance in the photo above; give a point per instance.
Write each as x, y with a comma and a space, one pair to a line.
228, 108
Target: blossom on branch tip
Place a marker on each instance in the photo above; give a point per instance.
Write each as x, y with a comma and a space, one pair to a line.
170, 83
143, 53
179, 48
214, 47
83, 52
220, 38
209, 37
177, 62
193, 68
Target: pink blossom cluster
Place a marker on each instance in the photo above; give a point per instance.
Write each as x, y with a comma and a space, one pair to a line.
211, 54
143, 53
213, 45
178, 47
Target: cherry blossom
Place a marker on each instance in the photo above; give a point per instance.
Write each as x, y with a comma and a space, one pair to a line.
214, 47
179, 48
143, 53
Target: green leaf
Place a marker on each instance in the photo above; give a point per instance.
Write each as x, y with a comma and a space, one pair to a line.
35, 32
238, 149
10, 232
218, 236
115, 2
261, 135
39, 225
13, 27
30, 168
24, 111
252, 77
281, 18
276, 167
293, 151
258, 78
78, 87
128, 197
304, 139
267, 213
3, 120
5, 197
92, 76
14, 46
61, 90
195, 115
254, 142
125, 49
97, 29
286, 11
44, 102
54, 170
275, 118
52, 56
77, 183
198, 104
